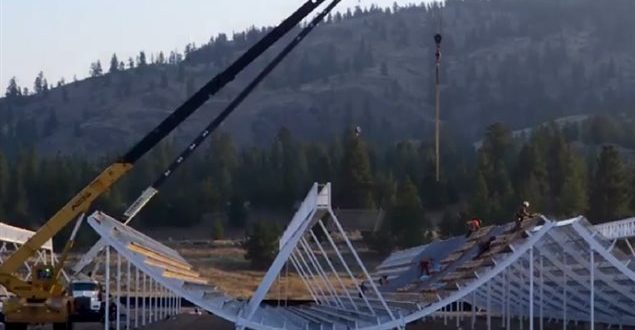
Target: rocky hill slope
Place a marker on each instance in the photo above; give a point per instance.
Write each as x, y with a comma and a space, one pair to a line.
521, 62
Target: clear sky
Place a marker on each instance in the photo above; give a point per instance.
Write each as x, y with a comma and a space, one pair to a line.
62, 37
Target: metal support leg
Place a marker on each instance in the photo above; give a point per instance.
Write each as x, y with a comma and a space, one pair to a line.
313, 280
128, 284
144, 297
592, 278
473, 321
489, 305
305, 279
361, 264
333, 270
508, 308
118, 295
157, 297
173, 305
531, 289
164, 305
564, 292
503, 298
320, 271
457, 310
348, 270
519, 310
136, 298
159, 302
445, 315
542, 297
153, 296
169, 301
107, 280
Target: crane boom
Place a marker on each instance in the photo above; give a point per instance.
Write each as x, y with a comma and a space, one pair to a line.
82, 201
152, 190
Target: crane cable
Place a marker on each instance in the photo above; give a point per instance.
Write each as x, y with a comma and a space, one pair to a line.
437, 86
153, 189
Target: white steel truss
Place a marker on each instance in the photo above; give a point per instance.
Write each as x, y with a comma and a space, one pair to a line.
566, 271
11, 238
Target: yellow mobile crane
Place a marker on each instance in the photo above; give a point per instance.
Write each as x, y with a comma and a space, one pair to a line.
43, 299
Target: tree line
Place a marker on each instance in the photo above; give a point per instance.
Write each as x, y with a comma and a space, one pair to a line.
558, 176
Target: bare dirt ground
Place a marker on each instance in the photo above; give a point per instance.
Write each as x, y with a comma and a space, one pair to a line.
190, 321
205, 321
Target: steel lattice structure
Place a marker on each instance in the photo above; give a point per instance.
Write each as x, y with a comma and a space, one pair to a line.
11, 238
567, 271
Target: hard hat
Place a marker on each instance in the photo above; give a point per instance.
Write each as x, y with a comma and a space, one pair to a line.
526, 204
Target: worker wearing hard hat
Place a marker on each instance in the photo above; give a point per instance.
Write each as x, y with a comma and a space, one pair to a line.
522, 214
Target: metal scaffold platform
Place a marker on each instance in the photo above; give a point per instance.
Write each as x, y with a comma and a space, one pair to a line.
543, 271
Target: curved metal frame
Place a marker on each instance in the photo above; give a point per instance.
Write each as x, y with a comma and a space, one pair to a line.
491, 287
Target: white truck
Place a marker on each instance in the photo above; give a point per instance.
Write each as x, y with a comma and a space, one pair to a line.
88, 299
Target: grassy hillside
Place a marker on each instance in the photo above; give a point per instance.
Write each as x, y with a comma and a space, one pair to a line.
521, 62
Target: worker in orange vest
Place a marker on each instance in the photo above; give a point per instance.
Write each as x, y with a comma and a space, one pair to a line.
473, 226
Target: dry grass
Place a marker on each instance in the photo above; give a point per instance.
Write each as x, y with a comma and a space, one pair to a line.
227, 268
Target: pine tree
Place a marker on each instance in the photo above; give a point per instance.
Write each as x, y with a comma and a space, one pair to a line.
609, 189
210, 198
189, 86
180, 72
356, 181
262, 244
480, 206
17, 201
633, 190
45, 86
4, 185
13, 90
237, 212
114, 64
319, 163
532, 176
38, 84
494, 160
289, 167
573, 196
164, 79
385, 190
452, 224
51, 124
65, 97
141, 59
218, 231
557, 158
95, 69
406, 217
222, 161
